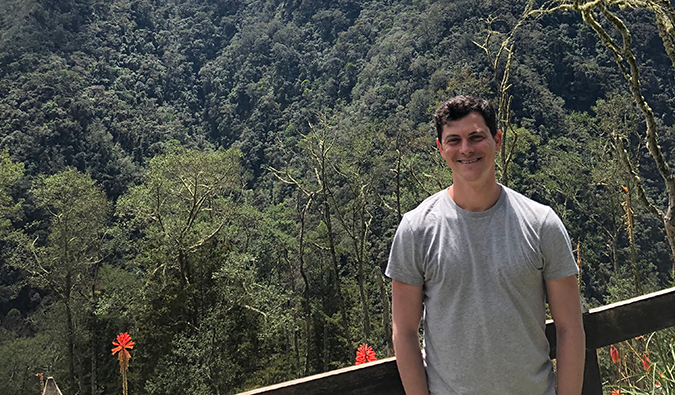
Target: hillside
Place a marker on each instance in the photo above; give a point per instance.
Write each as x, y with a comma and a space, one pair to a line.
232, 173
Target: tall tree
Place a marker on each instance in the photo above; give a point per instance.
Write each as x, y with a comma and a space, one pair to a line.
318, 145
177, 216
358, 163
67, 259
182, 205
601, 15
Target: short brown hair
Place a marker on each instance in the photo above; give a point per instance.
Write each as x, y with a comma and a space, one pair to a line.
460, 106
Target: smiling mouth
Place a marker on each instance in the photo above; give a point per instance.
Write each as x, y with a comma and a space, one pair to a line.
468, 162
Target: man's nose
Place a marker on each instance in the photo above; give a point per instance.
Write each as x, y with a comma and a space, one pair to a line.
466, 147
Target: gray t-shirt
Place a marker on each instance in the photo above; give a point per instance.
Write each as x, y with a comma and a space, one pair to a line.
484, 294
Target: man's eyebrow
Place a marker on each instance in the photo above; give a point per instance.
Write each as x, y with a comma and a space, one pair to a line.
473, 133
477, 131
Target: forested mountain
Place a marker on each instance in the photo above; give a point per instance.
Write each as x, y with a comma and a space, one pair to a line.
222, 178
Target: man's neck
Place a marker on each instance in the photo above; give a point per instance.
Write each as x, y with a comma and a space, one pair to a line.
475, 198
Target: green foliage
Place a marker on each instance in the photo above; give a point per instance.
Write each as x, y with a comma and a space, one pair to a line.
183, 204
21, 358
10, 172
78, 211
230, 275
67, 261
646, 365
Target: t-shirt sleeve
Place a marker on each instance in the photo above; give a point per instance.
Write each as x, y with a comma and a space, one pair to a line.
556, 249
406, 263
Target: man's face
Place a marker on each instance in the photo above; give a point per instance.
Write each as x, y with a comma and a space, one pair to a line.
469, 149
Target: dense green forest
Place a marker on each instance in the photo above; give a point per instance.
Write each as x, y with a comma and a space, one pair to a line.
222, 178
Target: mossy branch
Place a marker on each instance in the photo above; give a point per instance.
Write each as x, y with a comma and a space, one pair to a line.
637, 181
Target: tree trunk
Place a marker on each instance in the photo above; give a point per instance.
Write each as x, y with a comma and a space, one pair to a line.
336, 270
364, 303
326, 350
94, 340
308, 311
358, 234
386, 321
331, 242
296, 351
70, 334
669, 224
93, 326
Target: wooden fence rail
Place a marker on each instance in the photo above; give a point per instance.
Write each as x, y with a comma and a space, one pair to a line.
604, 326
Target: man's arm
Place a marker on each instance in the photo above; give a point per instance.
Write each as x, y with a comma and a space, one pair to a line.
406, 307
563, 300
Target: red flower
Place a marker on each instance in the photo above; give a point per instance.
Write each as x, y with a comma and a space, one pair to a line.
616, 391
123, 344
614, 353
365, 354
646, 363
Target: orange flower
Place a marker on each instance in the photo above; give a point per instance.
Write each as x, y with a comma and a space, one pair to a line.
616, 391
614, 353
365, 354
646, 363
123, 344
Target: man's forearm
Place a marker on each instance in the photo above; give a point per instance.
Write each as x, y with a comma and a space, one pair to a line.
410, 365
570, 360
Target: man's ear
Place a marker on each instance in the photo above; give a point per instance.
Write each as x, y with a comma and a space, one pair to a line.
498, 140
438, 144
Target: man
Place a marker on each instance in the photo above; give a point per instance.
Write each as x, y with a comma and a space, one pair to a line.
480, 259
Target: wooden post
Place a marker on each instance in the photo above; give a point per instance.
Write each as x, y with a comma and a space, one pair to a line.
592, 379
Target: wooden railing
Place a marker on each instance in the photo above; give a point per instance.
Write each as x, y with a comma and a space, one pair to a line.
604, 326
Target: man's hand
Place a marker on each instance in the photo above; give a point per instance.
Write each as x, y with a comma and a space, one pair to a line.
406, 313
563, 300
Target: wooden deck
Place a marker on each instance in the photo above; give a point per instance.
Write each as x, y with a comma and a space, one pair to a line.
603, 325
